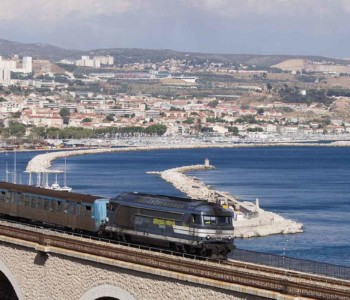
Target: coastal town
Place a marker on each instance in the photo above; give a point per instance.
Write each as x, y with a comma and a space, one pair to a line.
174, 150
100, 102
47, 104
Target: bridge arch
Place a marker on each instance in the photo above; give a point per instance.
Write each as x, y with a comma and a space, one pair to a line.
107, 292
7, 279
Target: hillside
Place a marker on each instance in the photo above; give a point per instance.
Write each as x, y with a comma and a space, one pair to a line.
37, 50
130, 55
137, 55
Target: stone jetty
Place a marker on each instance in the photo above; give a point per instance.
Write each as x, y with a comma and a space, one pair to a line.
251, 220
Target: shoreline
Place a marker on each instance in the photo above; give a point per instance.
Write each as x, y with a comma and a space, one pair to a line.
182, 144
42, 162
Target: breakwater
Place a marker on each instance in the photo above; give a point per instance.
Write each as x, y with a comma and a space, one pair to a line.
251, 220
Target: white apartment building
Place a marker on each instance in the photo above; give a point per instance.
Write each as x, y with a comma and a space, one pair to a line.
95, 62
5, 77
105, 60
11, 65
27, 64
10, 106
85, 61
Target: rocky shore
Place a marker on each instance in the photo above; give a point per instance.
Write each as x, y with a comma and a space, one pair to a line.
251, 220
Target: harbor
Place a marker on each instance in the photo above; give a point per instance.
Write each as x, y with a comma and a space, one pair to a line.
250, 219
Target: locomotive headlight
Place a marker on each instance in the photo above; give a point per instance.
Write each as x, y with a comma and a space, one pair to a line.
107, 219
208, 237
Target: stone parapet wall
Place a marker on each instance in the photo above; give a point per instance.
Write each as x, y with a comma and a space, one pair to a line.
36, 275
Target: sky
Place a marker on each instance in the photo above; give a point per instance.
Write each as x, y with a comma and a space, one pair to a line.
296, 27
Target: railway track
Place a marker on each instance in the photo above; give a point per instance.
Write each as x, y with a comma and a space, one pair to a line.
236, 272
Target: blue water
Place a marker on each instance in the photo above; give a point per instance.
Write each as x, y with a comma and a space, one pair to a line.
308, 185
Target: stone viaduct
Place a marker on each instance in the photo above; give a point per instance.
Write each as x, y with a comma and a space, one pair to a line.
28, 272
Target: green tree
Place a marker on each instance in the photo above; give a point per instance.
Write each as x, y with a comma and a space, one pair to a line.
53, 132
15, 129
38, 131
110, 118
16, 115
189, 120
65, 113
256, 129
260, 111
233, 130
86, 120
213, 103
156, 129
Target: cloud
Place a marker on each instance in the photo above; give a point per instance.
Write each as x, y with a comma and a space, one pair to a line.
234, 8
53, 10
230, 26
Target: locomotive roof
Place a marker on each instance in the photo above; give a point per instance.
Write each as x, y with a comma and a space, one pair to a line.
49, 193
170, 202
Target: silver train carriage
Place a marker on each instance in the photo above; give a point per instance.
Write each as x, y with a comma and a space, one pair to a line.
186, 225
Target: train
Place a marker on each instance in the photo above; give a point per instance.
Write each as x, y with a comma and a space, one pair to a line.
180, 224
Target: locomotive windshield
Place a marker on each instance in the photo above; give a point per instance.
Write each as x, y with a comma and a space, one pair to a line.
212, 220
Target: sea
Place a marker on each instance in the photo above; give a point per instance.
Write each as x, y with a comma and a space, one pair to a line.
310, 185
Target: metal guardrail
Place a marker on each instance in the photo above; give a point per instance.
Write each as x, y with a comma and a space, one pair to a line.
290, 263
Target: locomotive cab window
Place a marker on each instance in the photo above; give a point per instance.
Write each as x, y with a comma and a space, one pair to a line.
208, 220
211, 220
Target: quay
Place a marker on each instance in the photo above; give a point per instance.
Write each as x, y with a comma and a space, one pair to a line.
250, 221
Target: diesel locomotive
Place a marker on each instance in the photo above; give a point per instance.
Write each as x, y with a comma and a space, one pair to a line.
185, 225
